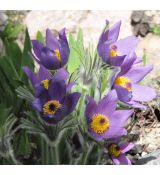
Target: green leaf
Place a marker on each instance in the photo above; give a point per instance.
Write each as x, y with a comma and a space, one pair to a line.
40, 37
74, 58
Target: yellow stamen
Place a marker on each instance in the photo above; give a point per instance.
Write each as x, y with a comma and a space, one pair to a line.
113, 53
99, 123
114, 150
45, 83
124, 82
58, 55
51, 107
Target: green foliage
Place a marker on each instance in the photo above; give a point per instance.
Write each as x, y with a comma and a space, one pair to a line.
155, 29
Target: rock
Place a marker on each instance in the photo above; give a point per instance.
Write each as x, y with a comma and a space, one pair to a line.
150, 159
151, 45
3, 20
92, 22
136, 17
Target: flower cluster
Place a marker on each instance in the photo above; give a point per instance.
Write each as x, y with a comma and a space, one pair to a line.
54, 99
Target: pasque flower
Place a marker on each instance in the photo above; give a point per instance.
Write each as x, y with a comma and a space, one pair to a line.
103, 120
125, 82
113, 52
41, 80
57, 103
117, 152
55, 53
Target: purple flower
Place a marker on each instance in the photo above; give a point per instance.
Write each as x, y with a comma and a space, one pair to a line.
57, 103
55, 53
103, 120
41, 80
125, 82
117, 152
112, 51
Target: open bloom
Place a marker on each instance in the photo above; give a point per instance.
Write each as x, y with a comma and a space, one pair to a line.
117, 152
41, 80
125, 82
56, 104
103, 120
55, 53
113, 52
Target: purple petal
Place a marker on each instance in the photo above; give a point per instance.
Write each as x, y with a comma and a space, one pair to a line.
49, 60
127, 63
95, 136
136, 105
125, 147
61, 74
136, 74
43, 73
91, 108
108, 104
114, 132
124, 160
123, 94
127, 45
114, 75
116, 160
114, 31
70, 85
37, 47
30, 75
57, 90
117, 61
120, 117
51, 41
70, 103
143, 93
36, 103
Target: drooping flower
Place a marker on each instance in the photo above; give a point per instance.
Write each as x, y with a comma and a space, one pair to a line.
117, 152
113, 52
103, 120
41, 80
125, 82
57, 103
55, 53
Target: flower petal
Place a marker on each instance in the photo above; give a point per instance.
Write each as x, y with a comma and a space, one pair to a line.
123, 94
120, 117
108, 104
116, 160
37, 47
136, 105
136, 74
61, 74
49, 60
36, 103
114, 132
127, 63
143, 93
127, 45
117, 61
69, 103
51, 41
43, 73
91, 108
57, 90
114, 31
30, 75
124, 160
125, 147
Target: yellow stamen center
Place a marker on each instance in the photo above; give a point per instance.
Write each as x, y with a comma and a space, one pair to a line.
124, 82
114, 150
58, 55
113, 53
45, 83
99, 123
51, 107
